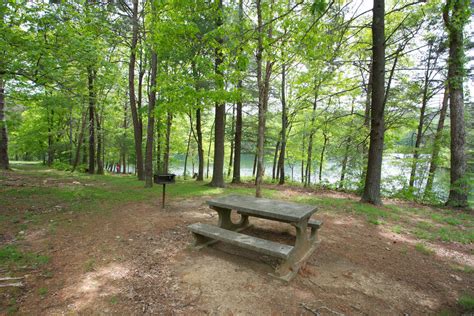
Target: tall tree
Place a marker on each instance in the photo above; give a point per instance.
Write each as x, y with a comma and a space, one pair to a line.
219, 132
263, 83
92, 99
377, 124
137, 126
151, 121
456, 13
437, 144
4, 162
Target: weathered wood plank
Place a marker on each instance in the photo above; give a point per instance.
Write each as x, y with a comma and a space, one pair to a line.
266, 208
248, 242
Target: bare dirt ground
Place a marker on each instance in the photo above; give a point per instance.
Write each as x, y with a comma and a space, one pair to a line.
136, 260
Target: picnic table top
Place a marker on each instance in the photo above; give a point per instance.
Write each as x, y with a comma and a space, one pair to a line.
273, 209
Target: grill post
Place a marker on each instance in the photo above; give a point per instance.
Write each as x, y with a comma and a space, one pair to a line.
164, 194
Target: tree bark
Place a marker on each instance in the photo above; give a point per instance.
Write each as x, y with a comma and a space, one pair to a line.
151, 122
166, 155
437, 144
377, 126
137, 130
80, 141
187, 153
309, 160
459, 186
92, 98
238, 119
158, 146
263, 82
219, 132
284, 123
231, 158
100, 144
275, 160
200, 176
321, 158
419, 134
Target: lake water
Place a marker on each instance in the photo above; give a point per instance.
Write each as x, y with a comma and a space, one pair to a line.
395, 173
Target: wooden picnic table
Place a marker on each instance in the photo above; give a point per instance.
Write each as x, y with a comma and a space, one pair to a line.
295, 214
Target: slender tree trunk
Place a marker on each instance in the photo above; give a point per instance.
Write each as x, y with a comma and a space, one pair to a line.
158, 147
231, 159
137, 131
187, 154
50, 119
100, 144
309, 160
321, 158
377, 126
284, 123
365, 147
200, 176
219, 133
238, 119
166, 155
419, 134
303, 150
455, 21
275, 158
91, 79
209, 150
80, 139
151, 122
437, 144
263, 82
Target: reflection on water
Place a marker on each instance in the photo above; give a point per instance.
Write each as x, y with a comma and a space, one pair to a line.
395, 173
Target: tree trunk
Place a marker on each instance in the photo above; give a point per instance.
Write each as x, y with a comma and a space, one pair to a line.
80, 141
91, 78
459, 186
284, 123
321, 158
151, 122
219, 132
137, 130
231, 158
365, 147
377, 126
263, 82
50, 137
419, 134
238, 119
187, 154
158, 146
200, 176
275, 156
437, 144
309, 160
166, 155
209, 150
100, 144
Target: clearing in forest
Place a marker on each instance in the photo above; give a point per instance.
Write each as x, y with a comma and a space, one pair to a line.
103, 244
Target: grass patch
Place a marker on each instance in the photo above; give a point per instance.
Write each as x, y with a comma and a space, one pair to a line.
89, 266
397, 229
467, 302
11, 257
423, 249
42, 291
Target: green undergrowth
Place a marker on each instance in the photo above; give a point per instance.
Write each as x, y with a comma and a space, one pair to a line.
62, 191
12, 258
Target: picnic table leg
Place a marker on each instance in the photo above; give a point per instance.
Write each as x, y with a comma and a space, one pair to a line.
304, 247
225, 220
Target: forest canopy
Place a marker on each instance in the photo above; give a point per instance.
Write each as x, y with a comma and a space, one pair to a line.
372, 97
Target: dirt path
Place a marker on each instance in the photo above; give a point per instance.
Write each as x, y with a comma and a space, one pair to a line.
135, 260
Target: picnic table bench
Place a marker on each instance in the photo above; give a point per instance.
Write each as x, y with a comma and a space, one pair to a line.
297, 215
